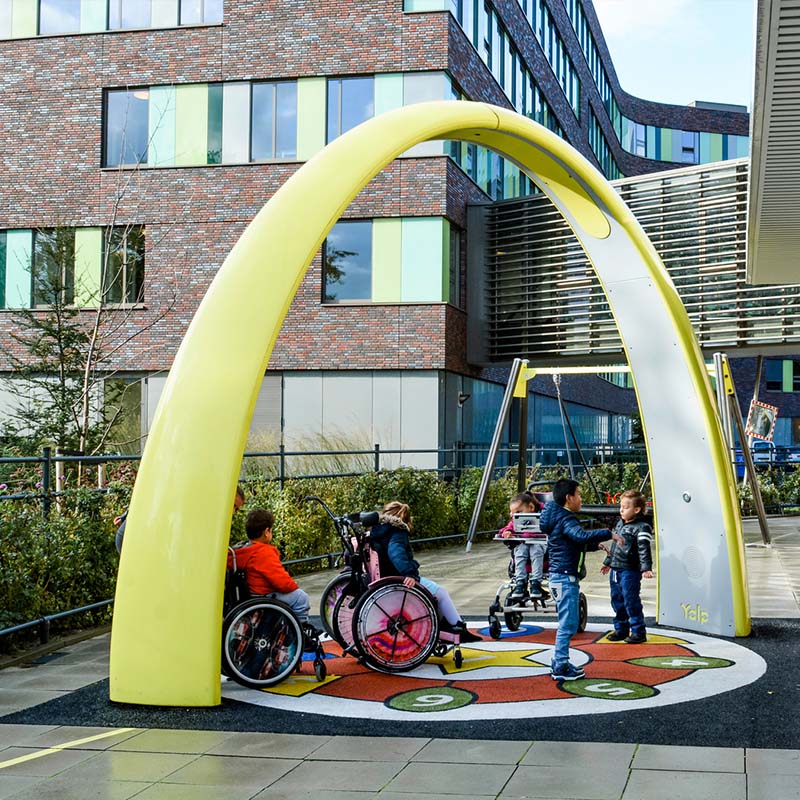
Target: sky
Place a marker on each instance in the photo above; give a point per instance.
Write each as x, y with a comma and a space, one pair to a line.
676, 51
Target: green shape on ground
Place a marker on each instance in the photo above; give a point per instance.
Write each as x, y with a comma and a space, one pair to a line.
682, 662
608, 689
443, 698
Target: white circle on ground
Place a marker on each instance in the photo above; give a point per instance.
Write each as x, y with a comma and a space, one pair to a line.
438, 692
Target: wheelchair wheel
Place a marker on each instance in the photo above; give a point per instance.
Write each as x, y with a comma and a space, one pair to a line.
262, 643
330, 594
342, 618
395, 627
583, 612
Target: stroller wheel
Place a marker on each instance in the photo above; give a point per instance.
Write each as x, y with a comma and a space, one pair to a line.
458, 659
440, 649
494, 628
513, 620
320, 670
583, 612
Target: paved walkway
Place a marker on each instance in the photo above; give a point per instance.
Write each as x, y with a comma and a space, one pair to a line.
78, 762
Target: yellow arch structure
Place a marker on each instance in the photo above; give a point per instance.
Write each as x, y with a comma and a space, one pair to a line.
165, 643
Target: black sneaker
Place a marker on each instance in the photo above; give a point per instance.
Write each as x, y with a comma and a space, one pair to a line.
536, 590
616, 637
636, 639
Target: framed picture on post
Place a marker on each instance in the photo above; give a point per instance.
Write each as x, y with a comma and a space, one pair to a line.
761, 421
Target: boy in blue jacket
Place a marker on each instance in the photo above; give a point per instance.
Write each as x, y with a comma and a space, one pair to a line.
567, 542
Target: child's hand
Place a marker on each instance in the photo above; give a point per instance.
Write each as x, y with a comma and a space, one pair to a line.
507, 534
604, 547
648, 573
409, 583
605, 569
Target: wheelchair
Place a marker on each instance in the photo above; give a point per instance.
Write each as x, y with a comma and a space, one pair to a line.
263, 641
389, 626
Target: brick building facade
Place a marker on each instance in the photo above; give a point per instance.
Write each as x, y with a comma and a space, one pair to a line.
406, 352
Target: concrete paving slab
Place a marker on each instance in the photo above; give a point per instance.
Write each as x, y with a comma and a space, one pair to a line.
363, 748
590, 754
64, 734
470, 751
777, 762
117, 766
63, 789
665, 785
763, 786
177, 791
689, 759
268, 745
13, 784
45, 766
422, 778
169, 741
567, 782
20, 735
226, 771
313, 776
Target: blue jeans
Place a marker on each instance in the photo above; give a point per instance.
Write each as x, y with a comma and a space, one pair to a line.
298, 601
626, 601
566, 591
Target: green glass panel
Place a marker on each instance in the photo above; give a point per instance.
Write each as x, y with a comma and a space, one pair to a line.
214, 153
705, 148
666, 144
93, 16
388, 92
161, 126
191, 124
422, 260
88, 266
788, 376
311, 119
386, 260
426, 5
23, 18
19, 254
715, 147
651, 141
446, 262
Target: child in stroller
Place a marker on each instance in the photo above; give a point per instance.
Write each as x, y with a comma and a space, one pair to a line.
527, 555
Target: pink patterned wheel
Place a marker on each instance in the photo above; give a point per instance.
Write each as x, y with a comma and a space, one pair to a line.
330, 594
395, 627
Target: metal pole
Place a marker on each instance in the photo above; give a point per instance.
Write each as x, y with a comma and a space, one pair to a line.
377, 461
522, 462
282, 465
486, 478
756, 387
557, 382
724, 408
736, 413
46, 461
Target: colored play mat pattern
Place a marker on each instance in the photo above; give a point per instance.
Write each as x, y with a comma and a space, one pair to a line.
510, 678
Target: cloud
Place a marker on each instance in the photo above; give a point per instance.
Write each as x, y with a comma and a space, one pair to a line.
640, 17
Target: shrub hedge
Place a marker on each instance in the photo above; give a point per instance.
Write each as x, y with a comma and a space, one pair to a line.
69, 560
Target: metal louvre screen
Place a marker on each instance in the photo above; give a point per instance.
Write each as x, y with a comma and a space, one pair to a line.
544, 302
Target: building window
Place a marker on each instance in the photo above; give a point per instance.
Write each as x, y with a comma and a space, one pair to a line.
59, 16
127, 113
351, 101
53, 275
773, 371
455, 266
347, 262
200, 12
129, 14
274, 121
689, 147
123, 281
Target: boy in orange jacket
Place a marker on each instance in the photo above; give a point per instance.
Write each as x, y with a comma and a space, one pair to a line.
262, 566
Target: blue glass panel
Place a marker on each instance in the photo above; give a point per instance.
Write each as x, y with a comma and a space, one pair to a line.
59, 16
263, 122
286, 121
127, 114
347, 262
358, 102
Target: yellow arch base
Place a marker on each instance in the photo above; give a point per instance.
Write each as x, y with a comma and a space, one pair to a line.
165, 644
